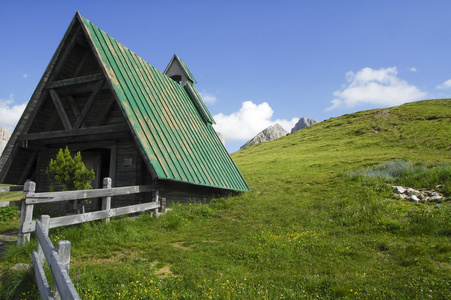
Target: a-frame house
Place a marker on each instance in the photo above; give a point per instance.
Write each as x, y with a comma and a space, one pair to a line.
130, 121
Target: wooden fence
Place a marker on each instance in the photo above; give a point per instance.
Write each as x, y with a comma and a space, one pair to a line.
27, 225
58, 261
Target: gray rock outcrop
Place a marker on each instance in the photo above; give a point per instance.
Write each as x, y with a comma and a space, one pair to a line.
270, 133
5, 134
302, 123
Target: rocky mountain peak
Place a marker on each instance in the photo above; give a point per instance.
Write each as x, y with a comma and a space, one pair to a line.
270, 133
302, 123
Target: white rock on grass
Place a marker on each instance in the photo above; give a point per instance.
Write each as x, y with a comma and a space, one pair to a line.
434, 196
411, 191
398, 189
413, 198
401, 196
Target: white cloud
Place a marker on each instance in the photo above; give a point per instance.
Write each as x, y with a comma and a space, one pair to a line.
24, 76
378, 87
413, 69
248, 121
207, 97
10, 114
445, 85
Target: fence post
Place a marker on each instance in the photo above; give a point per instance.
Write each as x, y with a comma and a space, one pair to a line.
155, 199
45, 222
63, 250
163, 205
26, 212
106, 201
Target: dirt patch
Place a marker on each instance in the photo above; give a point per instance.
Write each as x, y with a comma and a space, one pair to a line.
164, 271
181, 246
6, 239
115, 256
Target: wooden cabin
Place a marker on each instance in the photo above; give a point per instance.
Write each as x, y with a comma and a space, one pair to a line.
130, 122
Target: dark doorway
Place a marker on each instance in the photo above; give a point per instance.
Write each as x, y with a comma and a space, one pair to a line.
97, 159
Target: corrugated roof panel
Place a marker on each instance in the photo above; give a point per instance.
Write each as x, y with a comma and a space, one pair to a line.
178, 130
143, 111
169, 125
156, 155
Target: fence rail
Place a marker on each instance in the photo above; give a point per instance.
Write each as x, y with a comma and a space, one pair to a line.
29, 227
31, 198
37, 198
58, 262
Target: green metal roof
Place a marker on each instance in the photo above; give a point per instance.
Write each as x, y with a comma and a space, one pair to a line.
171, 123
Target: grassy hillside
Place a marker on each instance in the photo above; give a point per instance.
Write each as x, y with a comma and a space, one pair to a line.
317, 223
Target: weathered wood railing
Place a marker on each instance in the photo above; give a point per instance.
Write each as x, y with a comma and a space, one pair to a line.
27, 225
58, 261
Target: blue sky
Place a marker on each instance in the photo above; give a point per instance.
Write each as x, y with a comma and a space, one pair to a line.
256, 62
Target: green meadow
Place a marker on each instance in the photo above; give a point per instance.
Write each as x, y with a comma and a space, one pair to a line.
321, 221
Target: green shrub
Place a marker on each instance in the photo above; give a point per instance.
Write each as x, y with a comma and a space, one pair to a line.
70, 172
8, 213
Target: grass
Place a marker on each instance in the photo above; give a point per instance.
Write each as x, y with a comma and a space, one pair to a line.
11, 196
319, 222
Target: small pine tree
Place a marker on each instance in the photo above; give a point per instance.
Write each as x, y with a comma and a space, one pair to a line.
70, 172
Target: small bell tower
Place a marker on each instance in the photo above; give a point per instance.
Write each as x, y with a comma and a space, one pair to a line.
178, 71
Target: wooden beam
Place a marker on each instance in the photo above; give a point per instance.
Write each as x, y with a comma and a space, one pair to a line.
60, 109
75, 80
109, 129
88, 104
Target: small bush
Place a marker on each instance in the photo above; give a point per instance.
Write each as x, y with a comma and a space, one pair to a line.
8, 213
70, 172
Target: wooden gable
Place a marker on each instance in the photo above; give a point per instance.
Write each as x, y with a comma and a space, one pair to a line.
72, 105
